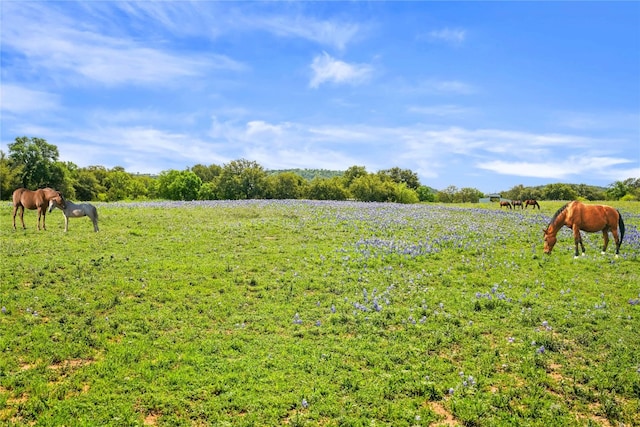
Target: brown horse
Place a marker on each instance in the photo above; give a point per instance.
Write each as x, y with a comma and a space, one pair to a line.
39, 199
516, 203
589, 218
531, 202
505, 203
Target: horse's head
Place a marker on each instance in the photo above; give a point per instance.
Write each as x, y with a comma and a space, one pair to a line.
57, 202
549, 241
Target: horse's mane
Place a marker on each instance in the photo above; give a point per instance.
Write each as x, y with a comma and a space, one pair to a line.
558, 212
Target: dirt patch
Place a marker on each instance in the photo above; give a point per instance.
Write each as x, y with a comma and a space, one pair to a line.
441, 411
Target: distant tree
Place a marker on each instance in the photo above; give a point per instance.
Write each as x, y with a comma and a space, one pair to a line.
179, 185
404, 194
327, 189
286, 185
467, 195
118, 184
352, 173
209, 191
35, 159
371, 188
242, 179
207, 173
617, 190
559, 192
400, 176
9, 177
425, 194
87, 186
447, 195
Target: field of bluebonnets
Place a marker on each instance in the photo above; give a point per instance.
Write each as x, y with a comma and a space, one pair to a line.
316, 313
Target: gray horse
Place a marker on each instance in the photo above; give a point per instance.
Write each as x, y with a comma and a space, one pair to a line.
70, 209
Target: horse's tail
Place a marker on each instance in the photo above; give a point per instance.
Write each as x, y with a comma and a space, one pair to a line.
621, 226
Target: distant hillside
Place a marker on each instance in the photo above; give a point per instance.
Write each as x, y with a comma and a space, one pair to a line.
309, 174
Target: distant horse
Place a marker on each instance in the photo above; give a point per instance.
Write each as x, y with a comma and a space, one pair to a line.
589, 218
70, 209
38, 199
531, 202
517, 203
505, 203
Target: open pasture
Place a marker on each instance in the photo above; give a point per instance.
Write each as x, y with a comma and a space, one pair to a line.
316, 313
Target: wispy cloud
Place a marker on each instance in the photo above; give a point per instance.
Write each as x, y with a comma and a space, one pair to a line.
19, 99
453, 36
336, 34
573, 166
328, 69
66, 50
446, 110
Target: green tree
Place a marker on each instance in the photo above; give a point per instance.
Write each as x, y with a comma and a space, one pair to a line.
559, 192
402, 176
207, 173
617, 190
9, 177
286, 185
242, 179
119, 184
425, 194
447, 195
87, 186
467, 195
327, 189
371, 188
35, 158
352, 173
179, 185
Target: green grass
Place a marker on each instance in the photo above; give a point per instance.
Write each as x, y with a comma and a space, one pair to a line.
310, 313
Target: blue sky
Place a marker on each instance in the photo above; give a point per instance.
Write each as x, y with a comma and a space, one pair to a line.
486, 95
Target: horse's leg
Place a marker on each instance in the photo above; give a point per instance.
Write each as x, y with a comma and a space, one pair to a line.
605, 238
616, 238
66, 223
577, 238
15, 211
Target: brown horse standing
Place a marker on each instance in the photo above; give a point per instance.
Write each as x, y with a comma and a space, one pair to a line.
589, 218
39, 199
505, 203
532, 202
516, 203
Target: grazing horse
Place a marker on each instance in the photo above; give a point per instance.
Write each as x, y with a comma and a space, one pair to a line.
505, 203
589, 218
532, 202
70, 209
38, 199
517, 203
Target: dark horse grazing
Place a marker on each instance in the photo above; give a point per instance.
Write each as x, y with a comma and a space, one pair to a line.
532, 202
589, 218
39, 199
516, 203
505, 203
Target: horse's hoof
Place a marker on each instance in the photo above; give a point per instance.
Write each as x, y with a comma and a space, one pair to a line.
603, 253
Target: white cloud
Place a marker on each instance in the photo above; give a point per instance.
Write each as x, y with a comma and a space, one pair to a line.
330, 33
448, 35
327, 69
18, 99
440, 110
65, 49
557, 169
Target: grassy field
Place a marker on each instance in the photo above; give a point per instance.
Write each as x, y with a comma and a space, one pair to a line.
318, 314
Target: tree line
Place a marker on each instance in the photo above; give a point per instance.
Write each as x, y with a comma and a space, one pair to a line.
34, 163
